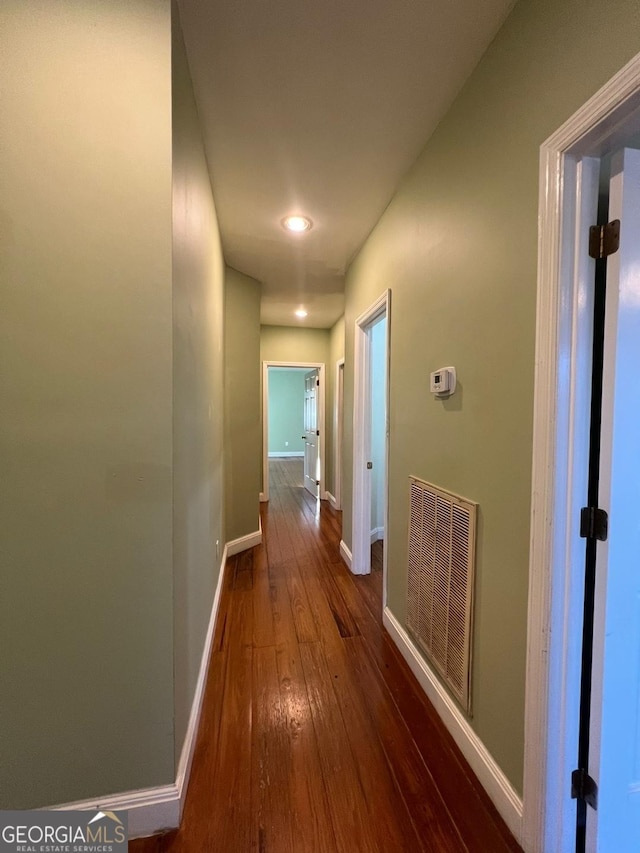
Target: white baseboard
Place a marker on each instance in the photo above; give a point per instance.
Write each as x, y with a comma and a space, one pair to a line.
376, 534
332, 500
154, 810
345, 553
277, 454
501, 792
263, 498
189, 745
150, 810
243, 543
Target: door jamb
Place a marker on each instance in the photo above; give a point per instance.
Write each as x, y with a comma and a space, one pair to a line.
559, 382
264, 494
361, 528
338, 435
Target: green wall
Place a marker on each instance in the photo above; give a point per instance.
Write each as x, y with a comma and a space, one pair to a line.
293, 343
86, 600
297, 344
457, 246
286, 411
198, 298
326, 346
243, 428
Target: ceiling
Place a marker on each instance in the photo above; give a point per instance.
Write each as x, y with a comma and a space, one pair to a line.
320, 107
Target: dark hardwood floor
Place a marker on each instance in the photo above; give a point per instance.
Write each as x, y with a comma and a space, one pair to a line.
377, 554
314, 733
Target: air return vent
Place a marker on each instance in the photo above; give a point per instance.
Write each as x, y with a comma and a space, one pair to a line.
442, 531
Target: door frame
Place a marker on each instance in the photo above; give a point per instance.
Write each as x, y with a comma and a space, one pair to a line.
307, 365
361, 527
338, 435
559, 453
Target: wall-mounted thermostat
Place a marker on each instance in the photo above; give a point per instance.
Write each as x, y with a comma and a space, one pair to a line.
443, 381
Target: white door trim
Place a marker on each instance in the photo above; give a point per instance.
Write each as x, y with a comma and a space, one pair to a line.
387, 421
559, 390
361, 529
264, 494
338, 432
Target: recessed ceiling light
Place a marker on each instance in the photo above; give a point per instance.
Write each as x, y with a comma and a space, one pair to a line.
297, 224
301, 313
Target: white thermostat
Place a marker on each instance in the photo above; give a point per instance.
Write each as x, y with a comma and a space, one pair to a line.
443, 381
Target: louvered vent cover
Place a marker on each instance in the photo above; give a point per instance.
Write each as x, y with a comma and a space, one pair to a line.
442, 532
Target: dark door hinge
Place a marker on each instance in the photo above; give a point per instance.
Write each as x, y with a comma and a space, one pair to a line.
584, 788
317, 482
317, 383
317, 432
594, 523
604, 240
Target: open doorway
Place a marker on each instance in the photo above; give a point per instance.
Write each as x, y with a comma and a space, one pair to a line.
371, 435
311, 434
582, 789
293, 422
378, 414
338, 436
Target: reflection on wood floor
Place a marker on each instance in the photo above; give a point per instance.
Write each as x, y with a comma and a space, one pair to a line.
286, 473
314, 734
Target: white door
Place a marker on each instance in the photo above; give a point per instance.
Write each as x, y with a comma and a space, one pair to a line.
311, 432
614, 754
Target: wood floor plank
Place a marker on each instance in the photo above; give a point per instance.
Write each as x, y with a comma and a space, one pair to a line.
328, 627
279, 548
244, 570
371, 593
384, 800
474, 814
347, 802
263, 633
303, 617
285, 632
377, 555
368, 622
315, 736
194, 831
311, 822
219, 633
270, 759
320, 579
312, 827
329, 610
434, 742
229, 810
430, 817
208, 734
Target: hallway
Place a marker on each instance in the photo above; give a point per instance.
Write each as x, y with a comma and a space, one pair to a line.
314, 735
